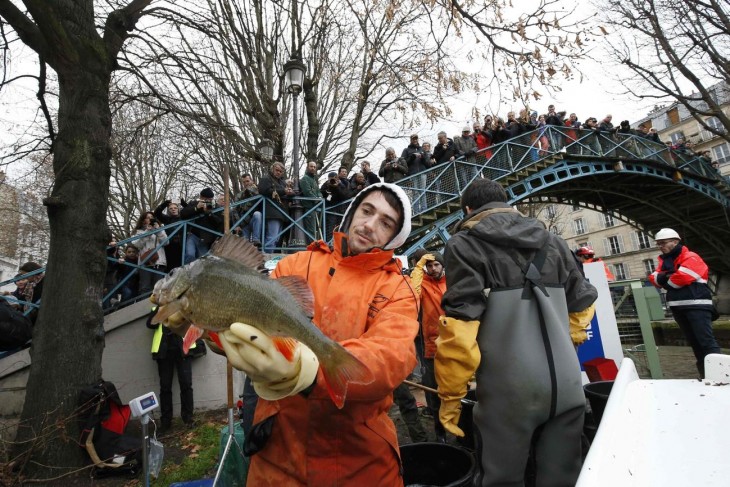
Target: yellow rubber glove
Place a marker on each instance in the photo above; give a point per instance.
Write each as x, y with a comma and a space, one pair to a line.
273, 375
449, 414
457, 358
579, 321
417, 272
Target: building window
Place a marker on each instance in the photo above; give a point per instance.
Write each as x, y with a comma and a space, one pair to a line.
676, 136
619, 271
550, 211
580, 227
608, 220
722, 153
673, 116
643, 240
614, 245
555, 230
715, 123
649, 266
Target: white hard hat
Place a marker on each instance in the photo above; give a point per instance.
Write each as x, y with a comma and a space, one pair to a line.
666, 234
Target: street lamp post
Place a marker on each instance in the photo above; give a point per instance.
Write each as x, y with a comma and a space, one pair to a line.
294, 72
266, 150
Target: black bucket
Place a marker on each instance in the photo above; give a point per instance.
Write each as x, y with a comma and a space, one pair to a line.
597, 393
436, 465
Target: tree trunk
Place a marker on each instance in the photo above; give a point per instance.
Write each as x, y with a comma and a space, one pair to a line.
68, 338
313, 123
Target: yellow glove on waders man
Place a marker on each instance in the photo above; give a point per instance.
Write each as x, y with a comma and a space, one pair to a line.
457, 358
579, 321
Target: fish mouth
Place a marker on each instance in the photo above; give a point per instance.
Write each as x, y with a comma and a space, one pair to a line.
171, 309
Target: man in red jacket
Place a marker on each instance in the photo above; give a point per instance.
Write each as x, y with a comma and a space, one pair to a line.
684, 274
587, 255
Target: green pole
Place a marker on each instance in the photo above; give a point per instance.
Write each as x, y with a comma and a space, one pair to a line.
642, 309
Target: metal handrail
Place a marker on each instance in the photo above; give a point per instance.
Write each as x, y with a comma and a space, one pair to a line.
496, 161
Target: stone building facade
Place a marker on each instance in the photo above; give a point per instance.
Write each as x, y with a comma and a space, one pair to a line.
24, 232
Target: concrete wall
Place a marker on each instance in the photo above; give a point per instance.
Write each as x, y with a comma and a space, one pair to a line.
128, 364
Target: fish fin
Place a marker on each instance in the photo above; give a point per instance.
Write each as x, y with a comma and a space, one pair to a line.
299, 288
191, 335
341, 369
233, 247
215, 339
214, 342
286, 346
167, 310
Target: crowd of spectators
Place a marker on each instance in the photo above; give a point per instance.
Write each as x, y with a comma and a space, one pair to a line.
263, 226
146, 259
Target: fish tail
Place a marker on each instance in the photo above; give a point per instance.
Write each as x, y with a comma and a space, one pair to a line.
339, 370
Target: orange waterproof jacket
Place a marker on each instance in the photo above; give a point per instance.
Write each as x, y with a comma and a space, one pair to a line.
431, 293
364, 303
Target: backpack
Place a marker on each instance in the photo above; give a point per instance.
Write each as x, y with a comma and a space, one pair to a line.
15, 328
103, 421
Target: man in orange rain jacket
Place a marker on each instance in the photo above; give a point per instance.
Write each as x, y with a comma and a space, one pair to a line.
587, 255
361, 300
429, 279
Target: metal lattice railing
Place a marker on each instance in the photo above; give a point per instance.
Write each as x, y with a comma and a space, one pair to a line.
437, 188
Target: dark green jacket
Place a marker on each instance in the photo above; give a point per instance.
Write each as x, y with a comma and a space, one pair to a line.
309, 188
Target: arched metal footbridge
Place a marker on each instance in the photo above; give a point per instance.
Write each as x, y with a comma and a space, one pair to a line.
635, 180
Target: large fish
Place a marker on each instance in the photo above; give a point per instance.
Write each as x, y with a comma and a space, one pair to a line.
228, 287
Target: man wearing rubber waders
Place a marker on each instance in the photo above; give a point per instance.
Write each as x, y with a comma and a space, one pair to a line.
513, 295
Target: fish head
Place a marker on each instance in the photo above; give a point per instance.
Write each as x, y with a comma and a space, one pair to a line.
172, 286
169, 294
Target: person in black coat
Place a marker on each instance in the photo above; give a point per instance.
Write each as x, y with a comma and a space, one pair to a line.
370, 176
173, 250
334, 193
273, 186
167, 351
444, 152
15, 328
199, 240
33, 289
418, 161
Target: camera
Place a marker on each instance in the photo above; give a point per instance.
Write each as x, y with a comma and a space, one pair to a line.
209, 205
153, 221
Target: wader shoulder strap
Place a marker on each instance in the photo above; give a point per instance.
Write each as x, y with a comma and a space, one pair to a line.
531, 270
